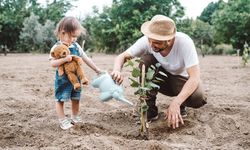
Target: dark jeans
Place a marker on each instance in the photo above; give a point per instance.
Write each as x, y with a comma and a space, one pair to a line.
172, 86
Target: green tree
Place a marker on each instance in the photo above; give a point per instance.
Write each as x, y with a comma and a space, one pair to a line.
35, 36
31, 36
207, 13
201, 32
119, 26
55, 10
48, 39
12, 14
232, 23
185, 25
100, 31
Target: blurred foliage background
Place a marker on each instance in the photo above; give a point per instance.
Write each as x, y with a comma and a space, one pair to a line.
27, 26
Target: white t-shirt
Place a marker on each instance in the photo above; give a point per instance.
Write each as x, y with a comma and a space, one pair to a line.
81, 52
183, 54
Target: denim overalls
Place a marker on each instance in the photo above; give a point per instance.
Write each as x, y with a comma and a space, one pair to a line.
64, 90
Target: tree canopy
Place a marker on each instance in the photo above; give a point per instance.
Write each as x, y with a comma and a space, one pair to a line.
118, 26
232, 23
207, 13
14, 12
26, 25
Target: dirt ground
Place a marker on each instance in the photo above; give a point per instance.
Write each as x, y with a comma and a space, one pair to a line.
28, 119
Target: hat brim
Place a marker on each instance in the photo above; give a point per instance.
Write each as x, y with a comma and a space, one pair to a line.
145, 30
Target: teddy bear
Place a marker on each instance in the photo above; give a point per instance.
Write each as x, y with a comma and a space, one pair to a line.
72, 69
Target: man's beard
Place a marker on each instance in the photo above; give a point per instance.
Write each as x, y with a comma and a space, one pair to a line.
157, 50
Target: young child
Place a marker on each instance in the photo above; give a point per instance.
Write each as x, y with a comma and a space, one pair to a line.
67, 31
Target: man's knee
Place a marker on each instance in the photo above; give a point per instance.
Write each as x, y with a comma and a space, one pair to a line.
196, 100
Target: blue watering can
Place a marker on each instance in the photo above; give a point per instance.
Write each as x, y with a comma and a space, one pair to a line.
109, 89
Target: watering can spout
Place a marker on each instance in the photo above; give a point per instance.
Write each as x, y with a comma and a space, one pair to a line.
117, 95
125, 100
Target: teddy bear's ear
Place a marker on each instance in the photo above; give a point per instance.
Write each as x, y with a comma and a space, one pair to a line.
53, 54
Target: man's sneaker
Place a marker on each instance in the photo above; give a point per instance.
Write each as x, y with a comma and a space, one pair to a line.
152, 114
152, 119
65, 123
183, 111
76, 119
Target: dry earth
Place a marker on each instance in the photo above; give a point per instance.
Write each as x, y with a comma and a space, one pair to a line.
28, 118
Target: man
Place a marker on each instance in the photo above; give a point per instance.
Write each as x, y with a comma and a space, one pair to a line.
176, 53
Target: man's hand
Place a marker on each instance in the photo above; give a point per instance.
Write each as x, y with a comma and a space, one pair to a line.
173, 115
116, 75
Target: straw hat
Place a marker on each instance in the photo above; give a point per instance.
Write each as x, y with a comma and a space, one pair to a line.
159, 28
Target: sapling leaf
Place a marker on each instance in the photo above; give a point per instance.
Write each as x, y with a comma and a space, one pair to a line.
144, 107
136, 72
129, 63
156, 81
162, 73
154, 85
159, 79
134, 83
144, 88
140, 92
157, 65
150, 79
139, 61
153, 67
148, 86
150, 74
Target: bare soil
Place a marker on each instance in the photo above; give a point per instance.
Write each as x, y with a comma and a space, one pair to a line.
28, 118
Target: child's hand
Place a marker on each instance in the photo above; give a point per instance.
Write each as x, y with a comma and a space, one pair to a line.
85, 81
68, 58
77, 59
99, 71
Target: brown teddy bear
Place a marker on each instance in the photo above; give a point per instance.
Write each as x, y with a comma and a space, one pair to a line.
72, 69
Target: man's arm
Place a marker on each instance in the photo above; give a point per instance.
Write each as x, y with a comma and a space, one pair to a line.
191, 84
118, 64
173, 112
140, 47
